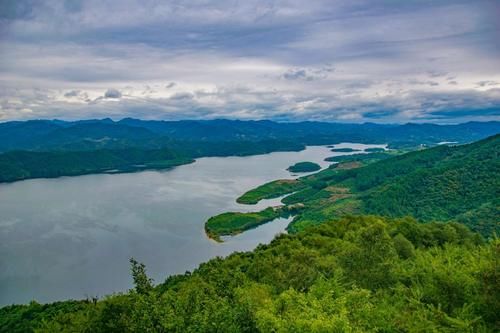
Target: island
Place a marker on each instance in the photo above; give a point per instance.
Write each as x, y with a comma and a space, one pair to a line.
344, 150
304, 167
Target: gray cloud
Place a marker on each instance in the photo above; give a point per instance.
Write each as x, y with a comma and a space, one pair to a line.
112, 93
434, 73
72, 93
253, 59
182, 96
487, 83
308, 74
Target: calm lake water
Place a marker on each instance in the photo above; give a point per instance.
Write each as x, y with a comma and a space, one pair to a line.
72, 237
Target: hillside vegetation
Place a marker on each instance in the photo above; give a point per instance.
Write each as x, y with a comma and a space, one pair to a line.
357, 274
444, 183
18, 165
64, 148
46, 135
334, 272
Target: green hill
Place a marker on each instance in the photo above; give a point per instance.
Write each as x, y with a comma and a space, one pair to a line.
357, 274
334, 272
444, 183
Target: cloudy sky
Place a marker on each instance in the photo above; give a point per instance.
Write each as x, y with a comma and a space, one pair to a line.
348, 61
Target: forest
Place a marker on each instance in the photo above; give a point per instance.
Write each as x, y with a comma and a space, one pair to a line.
444, 183
54, 148
400, 244
354, 274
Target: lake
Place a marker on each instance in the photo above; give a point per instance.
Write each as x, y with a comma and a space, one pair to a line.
72, 237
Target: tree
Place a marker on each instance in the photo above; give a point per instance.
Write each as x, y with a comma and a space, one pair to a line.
143, 284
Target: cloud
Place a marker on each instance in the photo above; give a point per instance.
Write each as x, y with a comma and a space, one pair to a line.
72, 93
435, 73
182, 96
112, 93
250, 60
487, 83
308, 74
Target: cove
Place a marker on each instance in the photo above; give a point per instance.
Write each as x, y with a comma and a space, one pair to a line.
72, 237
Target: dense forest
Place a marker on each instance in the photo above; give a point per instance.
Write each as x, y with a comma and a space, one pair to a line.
46, 135
43, 148
364, 253
300, 167
444, 183
356, 274
18, 165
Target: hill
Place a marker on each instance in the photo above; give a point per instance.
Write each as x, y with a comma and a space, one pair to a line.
55, 144
44, 135
357, 274
445, 183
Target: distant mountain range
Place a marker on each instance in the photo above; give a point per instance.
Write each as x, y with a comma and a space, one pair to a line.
47, 135
53, 148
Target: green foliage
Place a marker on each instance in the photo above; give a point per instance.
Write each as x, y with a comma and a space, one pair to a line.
344, 150
443, 183
270, 190
233, 223
18, 165
356, 274
304, 167
374, 150
365, 158
143, 284
27, 318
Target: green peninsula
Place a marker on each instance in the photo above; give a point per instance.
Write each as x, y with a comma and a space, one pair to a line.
270, 190
436, 184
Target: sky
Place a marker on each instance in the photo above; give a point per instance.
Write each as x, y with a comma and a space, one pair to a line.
384, 61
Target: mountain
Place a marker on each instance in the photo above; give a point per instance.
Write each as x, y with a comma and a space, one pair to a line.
42, 148
444, 183
43, 135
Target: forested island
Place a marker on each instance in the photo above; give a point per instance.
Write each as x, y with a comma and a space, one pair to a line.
301, 167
